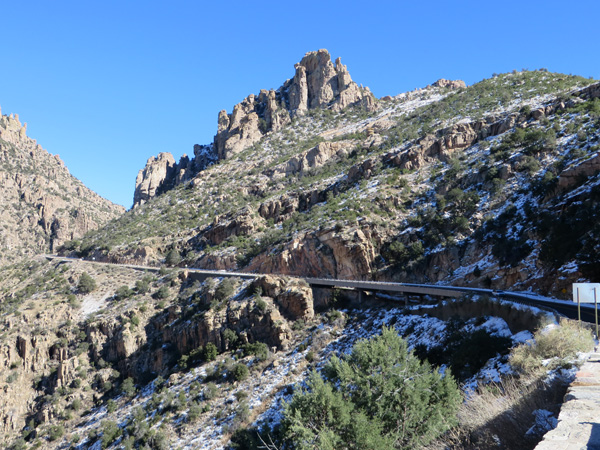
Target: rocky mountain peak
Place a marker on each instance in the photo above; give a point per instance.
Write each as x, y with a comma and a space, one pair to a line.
317, 83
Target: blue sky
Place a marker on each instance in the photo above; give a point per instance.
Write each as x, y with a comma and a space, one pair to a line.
108, 84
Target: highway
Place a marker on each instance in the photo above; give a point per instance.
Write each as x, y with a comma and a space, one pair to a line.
566, 308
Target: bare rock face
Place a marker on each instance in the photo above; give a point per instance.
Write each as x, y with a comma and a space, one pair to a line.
162, 173
317, 83
152, 178
241, 225
452, 84
345, 254
311, 159
587, 168
293, 295
41, 204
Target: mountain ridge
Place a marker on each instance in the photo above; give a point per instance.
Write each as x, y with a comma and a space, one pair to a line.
269, 210
43, 205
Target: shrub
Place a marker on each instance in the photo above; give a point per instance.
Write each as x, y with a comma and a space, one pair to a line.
162, 293
55, 432
560, 342
261, 305
142, 286
210, 391
240, 372
230, 338
128, 387
366, 402
111, 406
194, 412
73, 302
123, 293
210, 352
173, 258
225, 289
110, 432
86, 283
258, 349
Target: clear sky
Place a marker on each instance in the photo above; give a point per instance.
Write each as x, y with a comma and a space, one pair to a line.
108, 84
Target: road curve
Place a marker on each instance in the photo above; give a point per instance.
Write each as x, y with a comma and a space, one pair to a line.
566, 308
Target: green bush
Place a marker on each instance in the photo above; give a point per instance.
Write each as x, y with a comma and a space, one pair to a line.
123, 293
142, 286
261, 305
86, 283
225, 289
258, 349
162, 293
210, 352
128, 387
110, 432
194, 412
173, 258
73, 302
240, 372
55, 432
210, 391
111, 406
230, 338
379, 396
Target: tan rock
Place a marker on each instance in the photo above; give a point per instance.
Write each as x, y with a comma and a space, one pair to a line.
151, 179
572, 175
452, 84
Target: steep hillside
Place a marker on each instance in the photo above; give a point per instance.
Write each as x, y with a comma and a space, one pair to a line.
471, 185
41, 204
97, 356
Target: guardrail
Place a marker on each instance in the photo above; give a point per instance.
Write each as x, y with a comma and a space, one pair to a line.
568, 309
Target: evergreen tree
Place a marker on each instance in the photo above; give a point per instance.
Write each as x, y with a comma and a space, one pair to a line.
378, 397
86, 283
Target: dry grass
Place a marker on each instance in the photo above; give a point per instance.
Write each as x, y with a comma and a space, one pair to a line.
500, 414
560, 343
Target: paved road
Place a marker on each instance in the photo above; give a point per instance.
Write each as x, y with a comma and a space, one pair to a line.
566, 308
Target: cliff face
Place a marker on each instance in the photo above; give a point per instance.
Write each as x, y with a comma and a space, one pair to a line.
42, 204
317, 83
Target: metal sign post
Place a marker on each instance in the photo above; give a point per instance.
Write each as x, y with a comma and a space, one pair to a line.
578, 309
586, 293
596, 310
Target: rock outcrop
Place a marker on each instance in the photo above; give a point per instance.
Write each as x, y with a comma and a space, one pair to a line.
585, 169
162, 173
317, 83
286, 300
328, 253
452, 84
314, 158
154, 178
